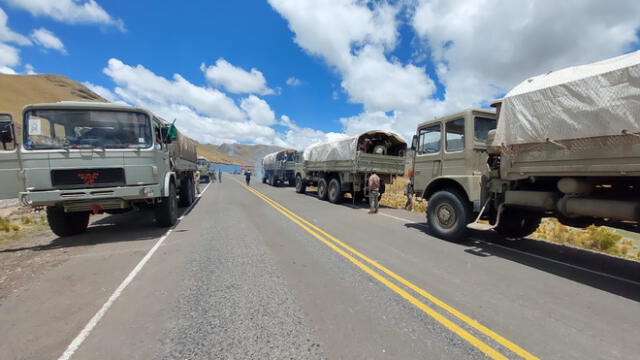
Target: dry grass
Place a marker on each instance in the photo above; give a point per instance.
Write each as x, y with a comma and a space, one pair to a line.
601, 239
21, 224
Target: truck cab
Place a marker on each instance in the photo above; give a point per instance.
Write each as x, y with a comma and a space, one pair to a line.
451, 152
9, 159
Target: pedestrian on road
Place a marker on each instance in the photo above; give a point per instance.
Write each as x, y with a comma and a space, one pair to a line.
220, 175
374, 192
247, 177
408, 192
213, 176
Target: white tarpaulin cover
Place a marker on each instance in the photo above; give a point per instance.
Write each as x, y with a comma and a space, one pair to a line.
599, 99
270, 159
342, 149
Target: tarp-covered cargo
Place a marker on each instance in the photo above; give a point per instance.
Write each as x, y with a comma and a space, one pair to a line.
599, 99
374, 142
278, 156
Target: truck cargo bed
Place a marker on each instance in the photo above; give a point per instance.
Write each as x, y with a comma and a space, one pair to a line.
364, 163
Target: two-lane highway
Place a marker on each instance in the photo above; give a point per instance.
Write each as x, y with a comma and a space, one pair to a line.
263, 272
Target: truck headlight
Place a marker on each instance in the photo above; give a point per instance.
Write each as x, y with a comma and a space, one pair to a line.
147, 191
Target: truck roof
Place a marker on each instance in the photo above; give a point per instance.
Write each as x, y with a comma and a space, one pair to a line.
460, 113
89, 105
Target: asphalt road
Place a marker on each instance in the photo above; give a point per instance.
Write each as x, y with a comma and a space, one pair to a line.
276, 275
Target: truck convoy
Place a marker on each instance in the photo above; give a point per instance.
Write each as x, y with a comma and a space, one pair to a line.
344, 166
79, 158
279, 167
566, 144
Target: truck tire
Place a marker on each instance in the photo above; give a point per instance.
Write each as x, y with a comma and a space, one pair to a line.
515, 224
448, 214
66, 224
264, 179
187, 194
301, 187
322, 189
334, 192
167, 210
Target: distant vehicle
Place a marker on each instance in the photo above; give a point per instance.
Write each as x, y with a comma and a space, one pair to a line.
79, 158
204, 170
344, 166
279, 167
567, 145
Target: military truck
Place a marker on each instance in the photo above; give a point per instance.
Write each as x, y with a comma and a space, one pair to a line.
344, 166
79, 158
566, 145
279, 167
204, 172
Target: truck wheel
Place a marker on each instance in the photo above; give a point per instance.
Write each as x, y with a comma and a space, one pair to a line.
186, 192
516, 224
264, 179
67, 224
301, 187
335, 194
448, 214
167, 210
322, 189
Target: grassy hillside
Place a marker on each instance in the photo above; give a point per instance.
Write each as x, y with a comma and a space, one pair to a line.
16, 91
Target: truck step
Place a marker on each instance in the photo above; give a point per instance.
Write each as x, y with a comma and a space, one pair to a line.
480, 226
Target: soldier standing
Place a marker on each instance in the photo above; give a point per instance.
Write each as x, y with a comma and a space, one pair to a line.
374, 192
247, 176
220, 175
408, 192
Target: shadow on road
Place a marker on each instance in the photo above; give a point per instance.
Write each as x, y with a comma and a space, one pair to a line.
544, 256
131, 226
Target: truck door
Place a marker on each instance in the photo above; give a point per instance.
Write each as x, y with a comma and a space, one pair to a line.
454, 158
10, 183
428, 163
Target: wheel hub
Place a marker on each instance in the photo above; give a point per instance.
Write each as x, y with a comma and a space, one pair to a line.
446, 215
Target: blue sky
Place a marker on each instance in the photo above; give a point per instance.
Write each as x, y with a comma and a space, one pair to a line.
360, 64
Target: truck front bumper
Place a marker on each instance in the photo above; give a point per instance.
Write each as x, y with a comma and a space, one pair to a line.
106, 198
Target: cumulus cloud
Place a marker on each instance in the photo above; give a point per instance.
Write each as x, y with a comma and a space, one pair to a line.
479, 49
9, 57
293, 81
7, 35
29, 69
483, 48
235, 79
258, 110
203, 113
48, 40
69, 11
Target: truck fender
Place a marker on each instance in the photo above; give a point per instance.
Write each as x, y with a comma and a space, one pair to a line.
167, 180
468, 185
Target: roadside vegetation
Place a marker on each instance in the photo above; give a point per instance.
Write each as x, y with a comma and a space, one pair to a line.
596, 238
21, 222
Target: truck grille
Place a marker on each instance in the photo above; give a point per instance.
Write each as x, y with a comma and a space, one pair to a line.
83, 178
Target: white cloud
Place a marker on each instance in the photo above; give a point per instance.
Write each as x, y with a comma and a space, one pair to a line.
480, 48
258, 110
9, 56
7, 35
103, 92
353, 37
235, 79
69, 11
293, 81
483, 48
297, 137
48, 40
29, 69
7, 70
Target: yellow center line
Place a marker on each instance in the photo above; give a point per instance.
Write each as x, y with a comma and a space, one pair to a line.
469, 321
489, 351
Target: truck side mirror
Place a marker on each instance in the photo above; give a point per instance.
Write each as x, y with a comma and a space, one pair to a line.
6, 129
414, 142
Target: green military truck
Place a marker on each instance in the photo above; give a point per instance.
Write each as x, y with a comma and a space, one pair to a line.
344, 166
279, 167
204, 173
566, 144
79, 158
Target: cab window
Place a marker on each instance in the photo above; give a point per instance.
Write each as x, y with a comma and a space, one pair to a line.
482, 125
455, 135
429, 140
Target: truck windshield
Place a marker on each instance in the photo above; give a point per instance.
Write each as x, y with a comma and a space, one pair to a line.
202, 162
482, 125
77, 129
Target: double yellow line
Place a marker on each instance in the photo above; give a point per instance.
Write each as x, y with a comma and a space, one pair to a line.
353, 255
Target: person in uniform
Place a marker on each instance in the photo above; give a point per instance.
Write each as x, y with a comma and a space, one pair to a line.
374, 192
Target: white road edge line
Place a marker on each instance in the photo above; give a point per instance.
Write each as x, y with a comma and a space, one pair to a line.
529, 254
82, 336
